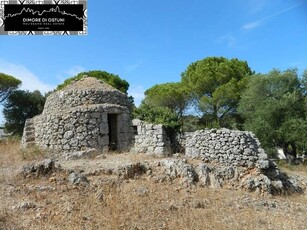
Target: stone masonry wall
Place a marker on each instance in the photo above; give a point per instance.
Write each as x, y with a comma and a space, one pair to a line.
229, 147
73, 98
82, 128
150, 139
76, 118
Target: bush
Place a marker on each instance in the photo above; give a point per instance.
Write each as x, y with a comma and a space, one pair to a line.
111, 79
157, 115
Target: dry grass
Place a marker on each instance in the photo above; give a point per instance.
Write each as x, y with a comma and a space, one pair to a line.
112, 203
32, 153
301, 168
9, 151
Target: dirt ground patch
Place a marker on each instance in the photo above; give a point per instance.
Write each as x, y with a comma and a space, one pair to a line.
108, 201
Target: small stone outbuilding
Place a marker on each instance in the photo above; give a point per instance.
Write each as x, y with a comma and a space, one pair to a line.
86, 114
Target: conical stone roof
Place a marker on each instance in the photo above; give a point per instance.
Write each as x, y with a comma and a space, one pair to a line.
89, 83
85, 92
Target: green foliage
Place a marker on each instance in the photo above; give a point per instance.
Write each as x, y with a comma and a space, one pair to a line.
294, 130
304, 83
19, 106
7, 85
113, 80
191, 123
273, 109
304, 89
174, 96
157, 115
216, 84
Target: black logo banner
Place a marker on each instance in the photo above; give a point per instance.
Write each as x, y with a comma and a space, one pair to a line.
44, 19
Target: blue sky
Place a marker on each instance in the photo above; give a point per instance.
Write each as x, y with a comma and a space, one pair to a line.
153, 42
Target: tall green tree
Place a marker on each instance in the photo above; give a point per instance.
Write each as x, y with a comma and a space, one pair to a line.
216, 84
272, 107
112, 79
174, 96
304, 88
19, 106
7, 85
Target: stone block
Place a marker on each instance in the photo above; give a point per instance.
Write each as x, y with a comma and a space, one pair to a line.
103, 140
68, 135
159, 151
74, 142
96, 115
263, 164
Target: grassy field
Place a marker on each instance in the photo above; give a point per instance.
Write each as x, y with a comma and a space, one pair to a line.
108, 202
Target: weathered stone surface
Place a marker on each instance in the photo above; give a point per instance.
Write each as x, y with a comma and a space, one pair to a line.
25, 205
216, 176
263, 164
76, 118
77, 178
150, 139
258, 183
230, 147
42, 168
176, 168
131, 170
88, 153
271, 181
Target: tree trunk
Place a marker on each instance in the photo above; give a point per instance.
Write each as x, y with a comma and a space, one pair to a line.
215, 116
290, 153
293, 151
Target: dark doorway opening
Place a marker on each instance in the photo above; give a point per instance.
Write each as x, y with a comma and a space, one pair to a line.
112, 122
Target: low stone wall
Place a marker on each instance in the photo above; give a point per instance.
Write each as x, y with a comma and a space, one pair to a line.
150, 139
229, 147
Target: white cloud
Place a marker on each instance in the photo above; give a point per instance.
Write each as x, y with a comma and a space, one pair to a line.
254, 6
229, 39
137, 92
134, 66
29, 80
257, 23
73, 71
251, 25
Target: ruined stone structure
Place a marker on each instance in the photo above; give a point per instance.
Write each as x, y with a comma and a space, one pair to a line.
89, 116
229, 158
228, 147
92, 114
150, 139
86, 114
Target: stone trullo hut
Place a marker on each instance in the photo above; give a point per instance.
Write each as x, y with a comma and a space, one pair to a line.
86, 114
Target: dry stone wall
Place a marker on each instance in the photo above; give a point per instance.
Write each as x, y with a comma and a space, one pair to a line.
229, 147
77, 118
150, 139
229, 158
81, 128
83, 97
